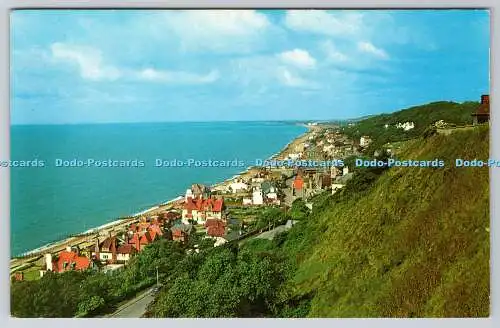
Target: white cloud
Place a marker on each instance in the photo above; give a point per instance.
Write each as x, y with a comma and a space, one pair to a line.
236, 31
290, 79
268, 72
89, 61
178, 77
332, 53
371, 49
299, 58
321, 22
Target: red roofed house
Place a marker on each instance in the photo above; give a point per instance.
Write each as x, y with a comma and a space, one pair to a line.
141, 240
125, 252
66, 261
19, 276
191, 211
181, 232
482, 114
146, 239
298, 186
106, 250
135, 241
215, 208
200, 210
215, 227
179, 235
170, 216
155, 228
144, 233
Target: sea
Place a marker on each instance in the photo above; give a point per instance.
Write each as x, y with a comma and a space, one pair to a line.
75, 190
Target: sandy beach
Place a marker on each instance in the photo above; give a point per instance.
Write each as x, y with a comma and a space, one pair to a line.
88, 236
105, 229
283, 153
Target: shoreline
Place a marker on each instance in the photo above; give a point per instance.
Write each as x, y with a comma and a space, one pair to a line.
112, 224
283, 151
80, 237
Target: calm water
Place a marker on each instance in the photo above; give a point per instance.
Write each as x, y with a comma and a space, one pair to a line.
51, 202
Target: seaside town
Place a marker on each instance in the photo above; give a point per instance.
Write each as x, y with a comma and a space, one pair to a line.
214, 211
228, 212
218, 212
209, 210
251, 163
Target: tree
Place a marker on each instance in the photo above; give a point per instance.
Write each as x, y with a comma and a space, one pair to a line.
89, 305
299, 210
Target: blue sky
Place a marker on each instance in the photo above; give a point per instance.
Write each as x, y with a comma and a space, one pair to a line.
73, 66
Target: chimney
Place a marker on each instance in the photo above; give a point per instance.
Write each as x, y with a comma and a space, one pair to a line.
97, 256
113, 250
48, 261
485, 99
138, 243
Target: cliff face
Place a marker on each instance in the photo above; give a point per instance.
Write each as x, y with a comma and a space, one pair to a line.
415, 244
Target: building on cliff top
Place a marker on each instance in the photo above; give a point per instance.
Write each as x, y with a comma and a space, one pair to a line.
482, 114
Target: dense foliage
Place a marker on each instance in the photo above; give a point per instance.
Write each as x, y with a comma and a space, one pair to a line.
299, 210
88, 293
225, 282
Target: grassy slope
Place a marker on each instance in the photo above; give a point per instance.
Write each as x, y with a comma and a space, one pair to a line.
422, 116
417, 245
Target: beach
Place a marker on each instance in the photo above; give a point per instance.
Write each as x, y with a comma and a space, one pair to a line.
87, 237
288, 149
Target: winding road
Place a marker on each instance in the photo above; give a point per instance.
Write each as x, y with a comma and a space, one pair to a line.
136, 307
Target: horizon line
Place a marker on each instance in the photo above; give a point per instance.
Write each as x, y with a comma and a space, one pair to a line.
358, 117
162, 122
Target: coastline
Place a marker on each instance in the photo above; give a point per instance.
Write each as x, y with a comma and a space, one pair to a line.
104, 229
287, 149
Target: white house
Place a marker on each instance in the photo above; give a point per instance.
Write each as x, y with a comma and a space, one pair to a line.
202, 209
364, 141
125, 252
257, 180
257, 198
195, 215
247, 201
272, 194
237, 186
345, 170
406, 126
122, 257
189, 194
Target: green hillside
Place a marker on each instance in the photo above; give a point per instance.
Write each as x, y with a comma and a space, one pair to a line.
422, 116
414, 244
